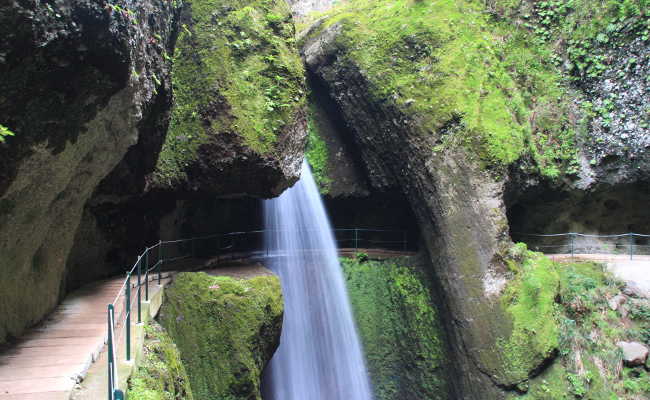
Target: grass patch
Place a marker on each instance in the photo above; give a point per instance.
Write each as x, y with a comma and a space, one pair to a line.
589, 365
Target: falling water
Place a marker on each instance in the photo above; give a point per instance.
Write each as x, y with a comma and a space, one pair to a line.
320, 356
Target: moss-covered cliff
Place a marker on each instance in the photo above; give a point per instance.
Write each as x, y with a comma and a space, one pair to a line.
480, 83
445, 100
239, 98
226, 330
400, 329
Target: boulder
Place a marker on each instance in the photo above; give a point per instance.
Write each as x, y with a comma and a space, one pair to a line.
239, 127
633, 289
616, 301
634, 353
227, 330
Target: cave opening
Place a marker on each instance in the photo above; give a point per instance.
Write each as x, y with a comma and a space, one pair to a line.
605, 210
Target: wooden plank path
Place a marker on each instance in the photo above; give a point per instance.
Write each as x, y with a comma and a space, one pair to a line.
47, 362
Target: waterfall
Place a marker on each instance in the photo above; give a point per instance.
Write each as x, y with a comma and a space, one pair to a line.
320, 356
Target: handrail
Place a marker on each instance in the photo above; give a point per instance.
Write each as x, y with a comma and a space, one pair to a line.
142, 268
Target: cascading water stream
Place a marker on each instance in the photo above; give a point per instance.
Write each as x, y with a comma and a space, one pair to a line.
320, 356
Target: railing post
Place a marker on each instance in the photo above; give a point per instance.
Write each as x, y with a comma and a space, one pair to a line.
146, 275
139, 291
572, 244
631, 236
160, 260
128, 317
356, 239
110, 360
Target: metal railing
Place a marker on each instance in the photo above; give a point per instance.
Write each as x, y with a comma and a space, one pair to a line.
151, 262
122, 323
579, 243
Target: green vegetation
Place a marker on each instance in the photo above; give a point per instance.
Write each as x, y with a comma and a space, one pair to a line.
579, 29
473, 82
236, 71
316, 152
399, 328
226, 331
562, 311
5, 132
161, 374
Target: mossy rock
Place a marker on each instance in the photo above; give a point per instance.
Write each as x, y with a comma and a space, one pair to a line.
469, 80
530, 301
399, 327
226, 330
238, 85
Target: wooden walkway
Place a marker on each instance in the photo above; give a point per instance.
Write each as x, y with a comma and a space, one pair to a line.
47, 362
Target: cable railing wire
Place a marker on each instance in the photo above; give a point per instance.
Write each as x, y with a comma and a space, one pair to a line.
629, 244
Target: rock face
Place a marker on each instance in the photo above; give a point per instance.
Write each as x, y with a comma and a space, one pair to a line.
80, 81
458, 206
226, 330
618, 147
610, 179
430, 114
93, 169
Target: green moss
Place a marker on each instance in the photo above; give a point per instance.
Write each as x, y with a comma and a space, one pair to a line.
161, 374
236, 71
551, 384
316, 153
399, 328
226, 331
530, 300
472, 81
